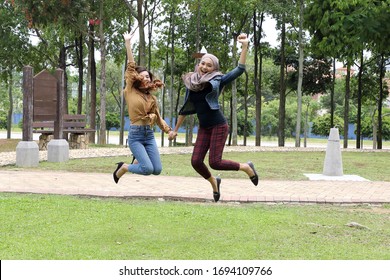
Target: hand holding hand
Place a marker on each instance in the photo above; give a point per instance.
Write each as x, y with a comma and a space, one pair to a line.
243, 39
172, 135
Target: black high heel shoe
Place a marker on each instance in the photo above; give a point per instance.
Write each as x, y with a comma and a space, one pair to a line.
217, 195
254, 178
119, 165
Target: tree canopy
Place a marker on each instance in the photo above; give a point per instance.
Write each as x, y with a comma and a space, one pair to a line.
69, 33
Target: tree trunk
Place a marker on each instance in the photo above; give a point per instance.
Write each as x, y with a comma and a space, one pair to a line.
234, 98
11, 105
149, 21
257, 73
282, 98
380, 102
359, 103
177, 107
80, 64
93, 86
62, 65
164, 91
346, 104
305, 130
332, 94
374, 130
141, 28
162, 107
88, 81
300, 78
122, 106
245, 107
229, 143
172, 67
102, 138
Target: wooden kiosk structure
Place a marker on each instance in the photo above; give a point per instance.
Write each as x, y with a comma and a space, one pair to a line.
43, 111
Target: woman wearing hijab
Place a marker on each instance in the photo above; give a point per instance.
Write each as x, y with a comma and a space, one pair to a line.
203, 88
144, 114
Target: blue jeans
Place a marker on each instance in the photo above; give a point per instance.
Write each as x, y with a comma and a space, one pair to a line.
144, 148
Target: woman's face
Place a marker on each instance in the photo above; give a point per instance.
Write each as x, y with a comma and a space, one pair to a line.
205, 66
146, 76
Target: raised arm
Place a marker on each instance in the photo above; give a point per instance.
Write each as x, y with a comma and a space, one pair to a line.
127, 36
232, 75
243, 39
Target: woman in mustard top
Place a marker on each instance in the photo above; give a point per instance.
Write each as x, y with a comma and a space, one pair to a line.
144, 114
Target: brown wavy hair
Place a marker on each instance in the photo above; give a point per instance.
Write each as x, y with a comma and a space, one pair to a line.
144, 86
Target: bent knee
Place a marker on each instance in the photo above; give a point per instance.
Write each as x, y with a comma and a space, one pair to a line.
157, 171
147, 170
196, 163
216, 165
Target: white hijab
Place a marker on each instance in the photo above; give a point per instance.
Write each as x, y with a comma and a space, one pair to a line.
196, 82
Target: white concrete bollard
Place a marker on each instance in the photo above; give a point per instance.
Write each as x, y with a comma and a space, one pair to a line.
58, 150
333, 165
27, 154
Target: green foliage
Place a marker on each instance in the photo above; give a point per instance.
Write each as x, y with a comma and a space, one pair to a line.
368, 121
112, 120
386, 128
20, 124
4, 101
113, 86
3, 120
333, 26
316, 76
367, 126
41, 13
270, 80
14, 43
339, 96
72, 105
310, 107
241, 125
321, 125
270, 120
340, 29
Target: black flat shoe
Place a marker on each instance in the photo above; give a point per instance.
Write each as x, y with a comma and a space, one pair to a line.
119, 165
217, 195
254, 178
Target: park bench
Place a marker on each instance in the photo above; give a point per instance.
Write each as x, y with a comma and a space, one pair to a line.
46, 113
75, 125
43, 127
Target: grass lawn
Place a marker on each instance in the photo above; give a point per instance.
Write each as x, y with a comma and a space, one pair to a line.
63, 227
271, 165
53, 227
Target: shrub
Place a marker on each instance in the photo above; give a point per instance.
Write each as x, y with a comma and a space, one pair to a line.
3, 120
321, 125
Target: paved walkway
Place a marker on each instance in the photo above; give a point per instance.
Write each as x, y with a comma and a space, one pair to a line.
193, 188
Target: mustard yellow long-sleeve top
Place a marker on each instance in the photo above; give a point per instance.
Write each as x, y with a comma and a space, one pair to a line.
142, 108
